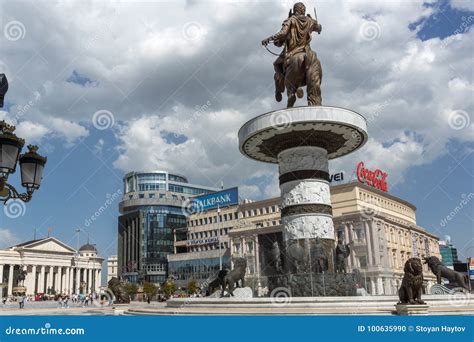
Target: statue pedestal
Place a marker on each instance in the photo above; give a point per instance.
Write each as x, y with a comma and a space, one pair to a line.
412, 309
19, 291
301, 141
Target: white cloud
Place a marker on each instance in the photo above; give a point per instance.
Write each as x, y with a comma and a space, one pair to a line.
7, 238
157, 71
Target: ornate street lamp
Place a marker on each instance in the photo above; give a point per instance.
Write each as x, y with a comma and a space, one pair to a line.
31, 165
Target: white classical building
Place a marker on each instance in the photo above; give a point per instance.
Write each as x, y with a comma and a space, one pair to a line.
50, 265
112, 264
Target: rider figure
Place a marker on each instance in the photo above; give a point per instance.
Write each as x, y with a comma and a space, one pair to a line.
295, 34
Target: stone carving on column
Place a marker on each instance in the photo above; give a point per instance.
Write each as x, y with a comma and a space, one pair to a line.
303, 158
309, 191
307, 227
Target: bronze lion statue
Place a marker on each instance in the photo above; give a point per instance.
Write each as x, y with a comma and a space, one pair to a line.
412, 283
119, 291
232, 278
441, 271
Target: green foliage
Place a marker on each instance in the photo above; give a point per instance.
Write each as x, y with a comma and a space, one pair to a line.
193, 286
169, 288
150, 289
131, 288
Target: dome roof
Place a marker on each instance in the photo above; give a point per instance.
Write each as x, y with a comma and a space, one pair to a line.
88, 248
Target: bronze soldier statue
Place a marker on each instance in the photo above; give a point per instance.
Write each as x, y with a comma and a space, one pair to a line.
297, 65
342, 253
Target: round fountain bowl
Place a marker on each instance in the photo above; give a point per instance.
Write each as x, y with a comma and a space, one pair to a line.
340, 131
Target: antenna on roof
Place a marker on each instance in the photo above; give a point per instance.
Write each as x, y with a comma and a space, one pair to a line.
34, 233
49, 231
222, 184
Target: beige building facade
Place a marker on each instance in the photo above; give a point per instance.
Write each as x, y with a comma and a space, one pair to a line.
50, 265
381, 228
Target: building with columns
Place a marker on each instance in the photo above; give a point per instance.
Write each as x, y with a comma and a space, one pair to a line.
382, 230
112, 263
52, 267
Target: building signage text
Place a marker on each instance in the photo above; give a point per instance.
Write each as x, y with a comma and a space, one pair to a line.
376, 179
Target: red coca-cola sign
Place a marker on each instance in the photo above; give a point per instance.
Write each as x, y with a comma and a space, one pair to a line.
377, 178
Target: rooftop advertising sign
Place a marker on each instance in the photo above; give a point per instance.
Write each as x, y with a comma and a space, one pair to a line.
221, 198
376, 178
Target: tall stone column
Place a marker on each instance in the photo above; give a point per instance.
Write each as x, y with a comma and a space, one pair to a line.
41, 279
306, 205
59, 285
78, 281
97, 280
301, 140
90, 280
10, 280
67, 286
370, 260
49, 278
257, 258
32, 289
1, 274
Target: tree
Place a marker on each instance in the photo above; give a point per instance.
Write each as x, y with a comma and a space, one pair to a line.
193, 286
150, 289
169, 288
131, 288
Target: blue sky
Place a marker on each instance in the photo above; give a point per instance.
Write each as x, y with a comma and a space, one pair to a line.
193, 128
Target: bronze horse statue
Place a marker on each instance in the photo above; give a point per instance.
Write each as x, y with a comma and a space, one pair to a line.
20, 279
297, 65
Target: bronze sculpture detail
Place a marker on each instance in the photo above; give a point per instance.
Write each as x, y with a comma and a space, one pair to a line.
119, 291
232, 278
412, 283
342, 253
441, 271
297, 65
20, 279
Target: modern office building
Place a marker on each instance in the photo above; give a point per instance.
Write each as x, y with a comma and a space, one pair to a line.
198, 254
381, 227
112, 263
51, 267
154, 205
449, 253
205, 229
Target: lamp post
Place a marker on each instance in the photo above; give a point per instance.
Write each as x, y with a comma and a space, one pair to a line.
31, 165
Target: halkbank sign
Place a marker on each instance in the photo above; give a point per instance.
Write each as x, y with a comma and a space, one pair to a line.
221, 198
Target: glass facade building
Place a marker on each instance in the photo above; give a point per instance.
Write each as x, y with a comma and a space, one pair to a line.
198, 269
150, 211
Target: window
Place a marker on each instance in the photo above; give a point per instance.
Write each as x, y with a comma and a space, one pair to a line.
151, 195
141, 195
